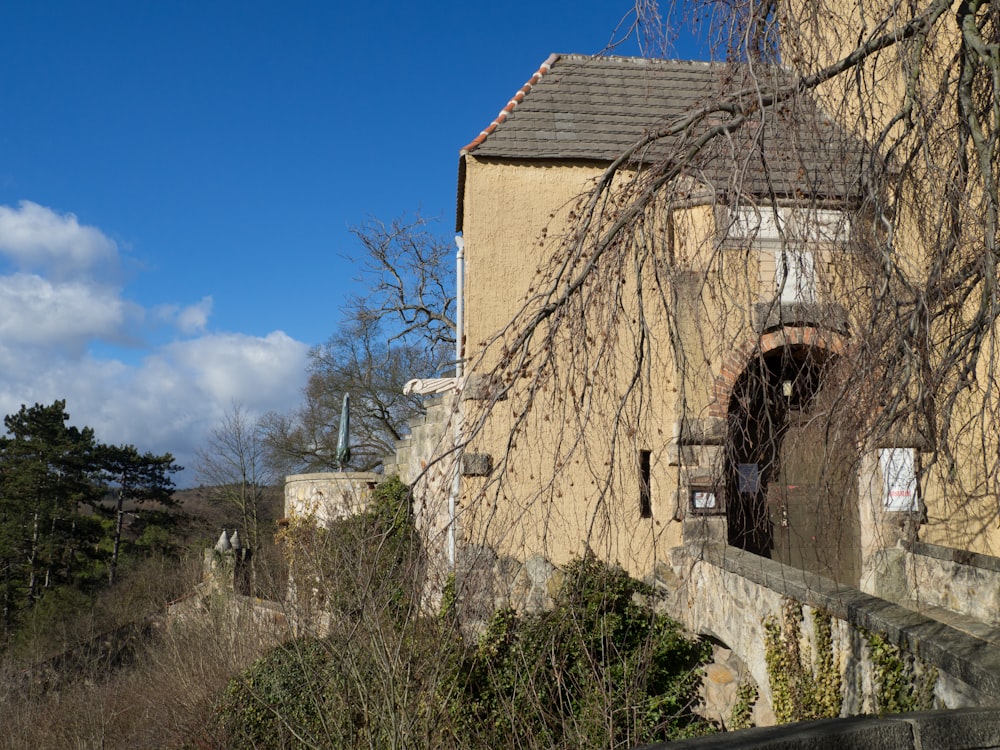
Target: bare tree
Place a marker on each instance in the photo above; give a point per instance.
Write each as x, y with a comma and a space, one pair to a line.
901, 102
233, 465
356, 360
402, 327
407, 273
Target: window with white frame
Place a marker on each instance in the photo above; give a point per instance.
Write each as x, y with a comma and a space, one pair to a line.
788, 239
795, 275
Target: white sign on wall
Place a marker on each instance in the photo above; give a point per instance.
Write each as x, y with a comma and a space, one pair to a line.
703, 500
899, 479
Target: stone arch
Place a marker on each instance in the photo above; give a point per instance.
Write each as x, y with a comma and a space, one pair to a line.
790, 491
724, 674
736, 363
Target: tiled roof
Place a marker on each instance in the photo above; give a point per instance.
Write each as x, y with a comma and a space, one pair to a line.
594, 108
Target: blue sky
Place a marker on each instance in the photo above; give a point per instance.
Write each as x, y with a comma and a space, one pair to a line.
178, 179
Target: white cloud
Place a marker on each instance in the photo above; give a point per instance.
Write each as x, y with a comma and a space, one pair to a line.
37, 311
37, 238
188, 320
171, 399
62, 302
194, 318
248, 369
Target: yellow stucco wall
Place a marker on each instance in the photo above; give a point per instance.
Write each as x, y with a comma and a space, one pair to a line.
515, 216
961, 487
568, 480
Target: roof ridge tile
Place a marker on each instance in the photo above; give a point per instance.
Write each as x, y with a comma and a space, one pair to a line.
515, 100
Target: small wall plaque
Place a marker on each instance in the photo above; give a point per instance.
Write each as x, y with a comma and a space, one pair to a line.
704, 501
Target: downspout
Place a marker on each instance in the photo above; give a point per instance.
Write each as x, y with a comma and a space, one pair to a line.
456, 487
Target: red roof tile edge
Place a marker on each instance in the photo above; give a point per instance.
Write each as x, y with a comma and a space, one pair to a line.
518, 97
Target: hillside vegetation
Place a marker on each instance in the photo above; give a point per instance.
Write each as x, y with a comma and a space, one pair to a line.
601, 669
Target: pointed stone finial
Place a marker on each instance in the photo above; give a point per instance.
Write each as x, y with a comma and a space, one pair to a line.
224, 545
234, 540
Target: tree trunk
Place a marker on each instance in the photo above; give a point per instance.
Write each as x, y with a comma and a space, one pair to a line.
32, 555
120, 515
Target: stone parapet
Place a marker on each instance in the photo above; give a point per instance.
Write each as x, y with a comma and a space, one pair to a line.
958, 580
964, 729
727, 593
328, 496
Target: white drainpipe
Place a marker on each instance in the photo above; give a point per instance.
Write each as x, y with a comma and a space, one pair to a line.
456, 487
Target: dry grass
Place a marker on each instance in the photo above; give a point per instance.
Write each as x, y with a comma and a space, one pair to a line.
164, 700
67, 686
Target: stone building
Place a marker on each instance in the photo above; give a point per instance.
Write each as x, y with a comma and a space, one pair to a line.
712, 380
691, 345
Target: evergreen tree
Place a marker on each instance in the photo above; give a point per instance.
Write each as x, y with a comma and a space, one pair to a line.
134, 476
45, 475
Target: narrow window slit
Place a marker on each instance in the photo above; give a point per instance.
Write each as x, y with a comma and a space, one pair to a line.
645, 502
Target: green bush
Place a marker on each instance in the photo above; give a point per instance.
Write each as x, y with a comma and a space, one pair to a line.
367, 563
600, 669
281, 701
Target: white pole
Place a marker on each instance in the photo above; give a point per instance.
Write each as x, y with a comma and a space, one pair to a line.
456, 487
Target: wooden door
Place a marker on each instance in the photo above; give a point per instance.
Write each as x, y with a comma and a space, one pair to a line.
813, 500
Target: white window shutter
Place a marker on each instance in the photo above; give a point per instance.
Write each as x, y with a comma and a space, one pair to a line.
795, 275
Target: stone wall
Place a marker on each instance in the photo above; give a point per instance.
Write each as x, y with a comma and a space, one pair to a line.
429, 434
486, 582
726, 593
255, 622
422, 461
968, 729
960, 581
328, 496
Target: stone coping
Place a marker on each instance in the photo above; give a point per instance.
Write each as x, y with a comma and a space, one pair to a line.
960, 729
365, 476
950, 554
972, 660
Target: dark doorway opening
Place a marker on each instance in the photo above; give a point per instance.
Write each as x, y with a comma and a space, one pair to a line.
791, 487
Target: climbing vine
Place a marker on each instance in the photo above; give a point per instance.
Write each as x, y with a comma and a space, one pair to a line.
746, 699
802, 688
903, 683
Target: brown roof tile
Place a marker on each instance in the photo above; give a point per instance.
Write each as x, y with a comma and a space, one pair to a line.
594, 108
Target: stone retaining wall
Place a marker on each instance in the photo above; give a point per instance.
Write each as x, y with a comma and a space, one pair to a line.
955, 579
726, 593
330, 495
966, 729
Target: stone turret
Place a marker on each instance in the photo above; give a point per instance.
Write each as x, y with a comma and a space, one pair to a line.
227, 565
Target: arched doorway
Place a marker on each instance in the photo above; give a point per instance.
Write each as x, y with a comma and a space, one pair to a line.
791, 464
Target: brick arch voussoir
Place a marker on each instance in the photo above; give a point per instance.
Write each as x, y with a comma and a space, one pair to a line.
740, 357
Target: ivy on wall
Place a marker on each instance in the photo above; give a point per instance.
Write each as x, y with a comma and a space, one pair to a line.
746, 699
806, 682
903, 683
803, 688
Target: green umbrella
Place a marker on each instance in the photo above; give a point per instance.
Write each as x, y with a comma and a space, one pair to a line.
343, 443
